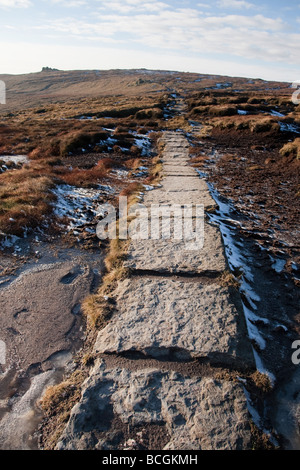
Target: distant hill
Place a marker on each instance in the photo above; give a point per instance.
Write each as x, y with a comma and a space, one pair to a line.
53, 86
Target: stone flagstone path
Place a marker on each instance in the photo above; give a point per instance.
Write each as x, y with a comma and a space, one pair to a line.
156, 382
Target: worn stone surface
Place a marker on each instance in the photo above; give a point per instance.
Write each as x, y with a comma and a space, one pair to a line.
171, 254
172, 309
195, 413
159, 317
186, 191
202, 255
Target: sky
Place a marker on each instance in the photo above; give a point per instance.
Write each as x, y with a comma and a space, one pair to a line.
243, 38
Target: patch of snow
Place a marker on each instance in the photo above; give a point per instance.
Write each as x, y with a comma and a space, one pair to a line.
278, 264
219, 86
241, 112
201, 173
285, 127
143, 143
276, 113
119, 173
253, 412
9, 241
237, 261
79, 205
253, 331
110, 142
14, 159
148, 187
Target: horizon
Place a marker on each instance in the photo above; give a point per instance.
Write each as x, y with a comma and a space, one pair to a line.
139, 69
237, 38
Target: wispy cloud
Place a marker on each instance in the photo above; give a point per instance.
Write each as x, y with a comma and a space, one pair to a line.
255, 37
235, 4
233, 32
70, 3
15, 3
133, 6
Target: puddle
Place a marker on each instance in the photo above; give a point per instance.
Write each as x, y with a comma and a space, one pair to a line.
42, 328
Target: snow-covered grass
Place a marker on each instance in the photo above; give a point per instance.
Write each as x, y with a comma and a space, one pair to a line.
78, 205
14, 159
239, 265
286, 127
9, 162
143, 142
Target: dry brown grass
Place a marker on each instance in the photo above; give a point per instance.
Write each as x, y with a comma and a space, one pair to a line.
24, 201
51, 135
58, 402
84, 178
291, 149
255, 124
222, 110
198, 161
179, 122
99, 307
227, 279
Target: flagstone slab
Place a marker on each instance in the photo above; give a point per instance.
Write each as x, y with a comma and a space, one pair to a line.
171, 411
164, 316
201, 255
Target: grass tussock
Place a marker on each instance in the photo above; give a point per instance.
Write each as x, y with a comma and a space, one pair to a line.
222, 110
205, 131
291, 149
58, 401
255, 124
155, 172
75, 141
179, 122
83, 177
99, 307
227, 279
260, 440
24, 202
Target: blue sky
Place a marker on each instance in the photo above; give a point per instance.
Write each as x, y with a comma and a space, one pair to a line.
249, 38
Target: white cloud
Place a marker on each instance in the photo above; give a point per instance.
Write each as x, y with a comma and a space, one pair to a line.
239, 4
70, 3
15, 3
185, 31
133, 6
257, 22
159, 29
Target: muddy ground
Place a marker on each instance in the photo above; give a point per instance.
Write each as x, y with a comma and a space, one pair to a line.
43, 328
